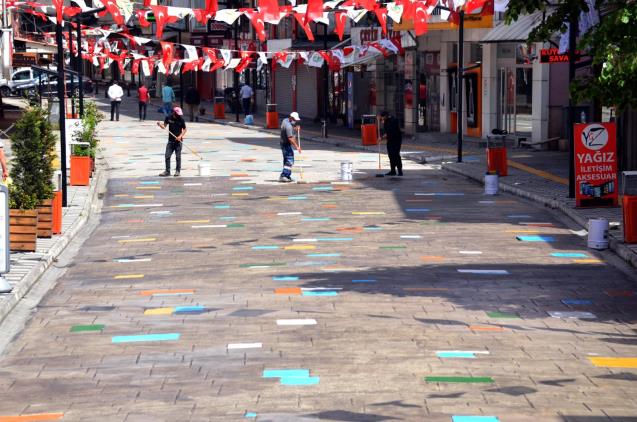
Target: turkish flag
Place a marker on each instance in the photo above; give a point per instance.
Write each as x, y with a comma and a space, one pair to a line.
420, 18
381, 15
113, 9
340, 19
218, 64
314, 11
59, 7
408, 9
167, 49
257, 22
141, 16
245, 62
269, 9
305, 26
71, 11
212, 6
473, 5
162, 19
211, 53
202, 16
135, 68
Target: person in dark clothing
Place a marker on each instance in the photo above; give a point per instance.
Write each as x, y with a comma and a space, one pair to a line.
176, 132
394, 137
192, 101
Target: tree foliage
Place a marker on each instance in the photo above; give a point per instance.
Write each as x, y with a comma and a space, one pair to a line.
612, 45
33, 148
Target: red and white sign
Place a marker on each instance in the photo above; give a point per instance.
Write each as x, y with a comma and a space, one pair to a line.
595, 164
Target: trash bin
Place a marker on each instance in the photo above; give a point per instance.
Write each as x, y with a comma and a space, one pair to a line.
271, 117
369, 130
497, 155
220, 108
629, 205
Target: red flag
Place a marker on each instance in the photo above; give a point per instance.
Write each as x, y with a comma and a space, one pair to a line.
135, 68
193, 65
245, 62
305, 26
380, 48
257, 21
211, 53
113, 9
420, 18
71, 11
340, 18
202, 16
399, 44
218, 65
167, 53
146, 3
473, 5
141, 16
59, 6
408, 9
212, 6
381, 15
314, 11
162, 19
269, 9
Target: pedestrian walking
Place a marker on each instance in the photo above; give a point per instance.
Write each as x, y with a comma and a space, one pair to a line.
142, 94
192, 101
115, 93
289, 128
394, 138
167, 98
246, 98
176, 132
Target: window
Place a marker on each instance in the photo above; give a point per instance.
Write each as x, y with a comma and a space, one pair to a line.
22, 76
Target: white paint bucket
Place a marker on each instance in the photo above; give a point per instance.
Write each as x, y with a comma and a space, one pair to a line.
346, 170
204, 168
598, 233
490, 184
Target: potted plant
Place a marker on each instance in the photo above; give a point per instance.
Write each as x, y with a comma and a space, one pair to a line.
80, 165
32, 144
92, 117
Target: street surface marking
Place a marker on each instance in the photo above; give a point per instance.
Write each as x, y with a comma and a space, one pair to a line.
475, 419
159, 311
577, 302
82, 328
569, 255
493, 272
610, 362
503, 315
33, 417
146, 337
233, 346
128, 276
167, 292
485, 328
535, 238
287, 291
284, 278
295, 322
470, 380
571, 315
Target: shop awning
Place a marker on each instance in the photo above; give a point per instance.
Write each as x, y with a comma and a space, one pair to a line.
516, 32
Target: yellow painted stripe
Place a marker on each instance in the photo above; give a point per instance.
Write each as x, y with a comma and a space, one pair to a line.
192, 221
121, 195
240, 194
127, 276
277, 198
159, 311
144, 196
148, 187
147, 239
614, 362
588, 261
539, 173
299, 247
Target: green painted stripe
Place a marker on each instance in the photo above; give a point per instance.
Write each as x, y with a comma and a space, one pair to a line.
235, 225
497, 314
80, 328
472, 380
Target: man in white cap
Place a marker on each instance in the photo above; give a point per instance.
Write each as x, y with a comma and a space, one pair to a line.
289, 128
176, 132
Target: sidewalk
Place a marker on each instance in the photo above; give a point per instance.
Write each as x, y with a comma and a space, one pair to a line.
541, 176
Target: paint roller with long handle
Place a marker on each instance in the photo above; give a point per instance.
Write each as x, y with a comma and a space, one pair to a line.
184, 144
298, 140
380, 170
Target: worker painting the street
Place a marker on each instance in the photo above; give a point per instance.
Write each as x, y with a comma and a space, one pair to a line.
289, 129
394, 137
176, 132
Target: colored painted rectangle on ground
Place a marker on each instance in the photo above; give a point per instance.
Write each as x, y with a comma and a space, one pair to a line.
263, 265
569, 255
286, 373
292, 322
243, 188
222, 207
189, 309
82, 328
502, 315
287, 291
128, 276
285, 278
620, 293
131, 260
320, 293
149, 182
296, 198
364, 281
535, 238
159, 311
146, 337
417, 210
33, 417
614, 362
410, 236
588, 261
456, 355
469, 380
249, 415
167, 292
485, 328
140, 240
299, 247
489, 272
265, 247
300, 380
238, 346
576, 302
323, 255
474, 419
316, 219
572, 315
392, 247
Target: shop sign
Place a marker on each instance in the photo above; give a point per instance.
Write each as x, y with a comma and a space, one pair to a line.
197, 40
553, 55
595, 164
214, 41
217, 28
25, 59
367, 35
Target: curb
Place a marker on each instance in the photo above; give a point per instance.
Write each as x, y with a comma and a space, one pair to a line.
615, 244
29, 280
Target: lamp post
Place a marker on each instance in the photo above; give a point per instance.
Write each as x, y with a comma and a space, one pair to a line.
62, 117
326, 95
460, 75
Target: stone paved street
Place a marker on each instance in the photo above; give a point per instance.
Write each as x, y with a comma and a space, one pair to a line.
233, 297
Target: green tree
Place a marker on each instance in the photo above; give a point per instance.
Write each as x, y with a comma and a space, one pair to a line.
32, 146
612, 45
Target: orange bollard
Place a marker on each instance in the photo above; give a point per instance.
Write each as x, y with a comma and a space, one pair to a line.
57, 212
220, 108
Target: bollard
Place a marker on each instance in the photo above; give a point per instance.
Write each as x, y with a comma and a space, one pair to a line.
219, 108
598, 233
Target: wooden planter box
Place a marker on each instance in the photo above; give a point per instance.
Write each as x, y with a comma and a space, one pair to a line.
80, 170
45, 218
23, 229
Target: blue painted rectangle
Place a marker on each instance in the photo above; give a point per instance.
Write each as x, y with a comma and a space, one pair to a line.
149, 183
316, 219
265, 247
577, 302
536, 238
222, 206
475, 419
569, 255
297, 198
250, 415
461, 355
188, 309
320, 293
227, 218
335, 239
243, 188
300, 380
417, 209
146, 337
285, 278
364, 281
372, 229
323, 188
322, 255
283, 373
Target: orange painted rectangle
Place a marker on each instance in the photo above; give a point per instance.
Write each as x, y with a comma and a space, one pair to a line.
350, 229
620, 293
432, 258
330, 206
165, 291
248, 160
33, 417
239, 175
485, 328
134, 221
287, 291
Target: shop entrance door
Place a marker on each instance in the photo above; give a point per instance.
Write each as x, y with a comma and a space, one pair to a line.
515, 100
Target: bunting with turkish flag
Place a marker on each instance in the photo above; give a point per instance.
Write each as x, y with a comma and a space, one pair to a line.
420, 18
473, 5
167, 49
141, 16
113, 9
381, 15
269, 9
212, 6
257, 22
314, 11
340, 18
306, 27
59, 7
162, 18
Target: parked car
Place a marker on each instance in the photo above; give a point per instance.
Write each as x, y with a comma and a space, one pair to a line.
19, 78
48, 86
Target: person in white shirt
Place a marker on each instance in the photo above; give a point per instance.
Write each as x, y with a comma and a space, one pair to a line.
246, 97
115, 93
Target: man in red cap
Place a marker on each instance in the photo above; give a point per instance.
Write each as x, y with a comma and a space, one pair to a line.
176, 132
